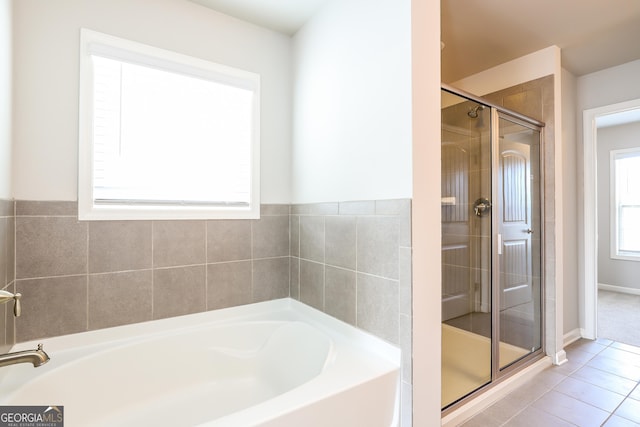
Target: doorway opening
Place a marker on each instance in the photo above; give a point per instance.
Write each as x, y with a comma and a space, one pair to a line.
610, 261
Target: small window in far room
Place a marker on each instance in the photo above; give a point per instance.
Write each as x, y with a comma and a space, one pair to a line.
164, 135
625, 209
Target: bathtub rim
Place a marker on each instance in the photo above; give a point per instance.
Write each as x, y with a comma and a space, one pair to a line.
282, 310
285, 309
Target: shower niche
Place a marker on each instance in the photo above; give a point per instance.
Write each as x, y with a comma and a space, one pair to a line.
491, 244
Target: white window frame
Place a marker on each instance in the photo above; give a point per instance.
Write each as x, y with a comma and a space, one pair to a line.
615, 252
88, 209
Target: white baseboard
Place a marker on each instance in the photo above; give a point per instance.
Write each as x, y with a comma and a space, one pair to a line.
571, 337
620, 289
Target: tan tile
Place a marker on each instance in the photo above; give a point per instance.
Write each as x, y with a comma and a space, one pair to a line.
605, 380
312, 284
591, 394
46, 208
119, 298
340, 294
340, 241
378, 246
270, 279
312, 238
119, 246
533, 417
178, 243
616, 421
228, 240
178, 291
228, 284
571, 410
52, 306
377, 306
622, 369
270, 236
630, 410
294, 278
50, 246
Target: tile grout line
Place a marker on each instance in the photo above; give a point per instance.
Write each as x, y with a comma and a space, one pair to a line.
621, 403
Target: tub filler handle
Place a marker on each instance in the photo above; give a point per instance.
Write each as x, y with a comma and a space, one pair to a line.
6, 296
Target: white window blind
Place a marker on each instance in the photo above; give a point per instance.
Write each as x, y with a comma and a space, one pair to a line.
168, 132
626, 209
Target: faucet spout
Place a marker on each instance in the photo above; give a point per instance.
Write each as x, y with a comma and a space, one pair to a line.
36, 357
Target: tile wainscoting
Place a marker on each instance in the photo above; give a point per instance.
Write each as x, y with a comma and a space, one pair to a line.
7, 263
351, 260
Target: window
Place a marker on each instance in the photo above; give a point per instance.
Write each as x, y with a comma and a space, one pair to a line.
625, 209
164, 135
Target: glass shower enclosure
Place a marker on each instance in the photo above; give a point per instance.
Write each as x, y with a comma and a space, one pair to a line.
492, 232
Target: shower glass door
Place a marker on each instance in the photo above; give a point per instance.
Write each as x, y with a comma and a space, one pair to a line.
466, 247
519, 230
491, 244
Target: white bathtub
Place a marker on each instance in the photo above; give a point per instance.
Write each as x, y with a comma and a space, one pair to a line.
278, 363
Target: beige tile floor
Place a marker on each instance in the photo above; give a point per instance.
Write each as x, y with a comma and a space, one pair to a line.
598, 386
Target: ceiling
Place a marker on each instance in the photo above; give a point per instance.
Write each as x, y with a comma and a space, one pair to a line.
285, 16
480, 34
593, 34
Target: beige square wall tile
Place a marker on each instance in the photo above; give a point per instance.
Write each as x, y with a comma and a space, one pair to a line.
340, 241
178, 291
119, 246
228, 284
377, 307
270, 236
312, 284
378, 246
270, 279
340, 294
228, 240
179, 243
52, 306
119, 298
50, 246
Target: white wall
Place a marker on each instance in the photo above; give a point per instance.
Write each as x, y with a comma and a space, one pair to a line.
426, 212
597, 90
606, 87
529, 67
614, 272
352, 103
570, 209
46, 41
5, 99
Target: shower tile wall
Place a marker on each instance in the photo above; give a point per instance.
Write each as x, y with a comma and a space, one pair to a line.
7, 338
78, 276
353, 261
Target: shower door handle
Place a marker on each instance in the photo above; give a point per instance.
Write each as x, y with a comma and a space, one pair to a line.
499, 244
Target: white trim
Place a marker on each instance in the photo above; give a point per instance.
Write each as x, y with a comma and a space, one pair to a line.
619, 289
589, 255
88, 209
572, 336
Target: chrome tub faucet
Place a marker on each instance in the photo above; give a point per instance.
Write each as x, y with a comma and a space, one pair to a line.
36, 357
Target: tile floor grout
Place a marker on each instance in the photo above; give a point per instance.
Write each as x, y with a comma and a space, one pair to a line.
579, 408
